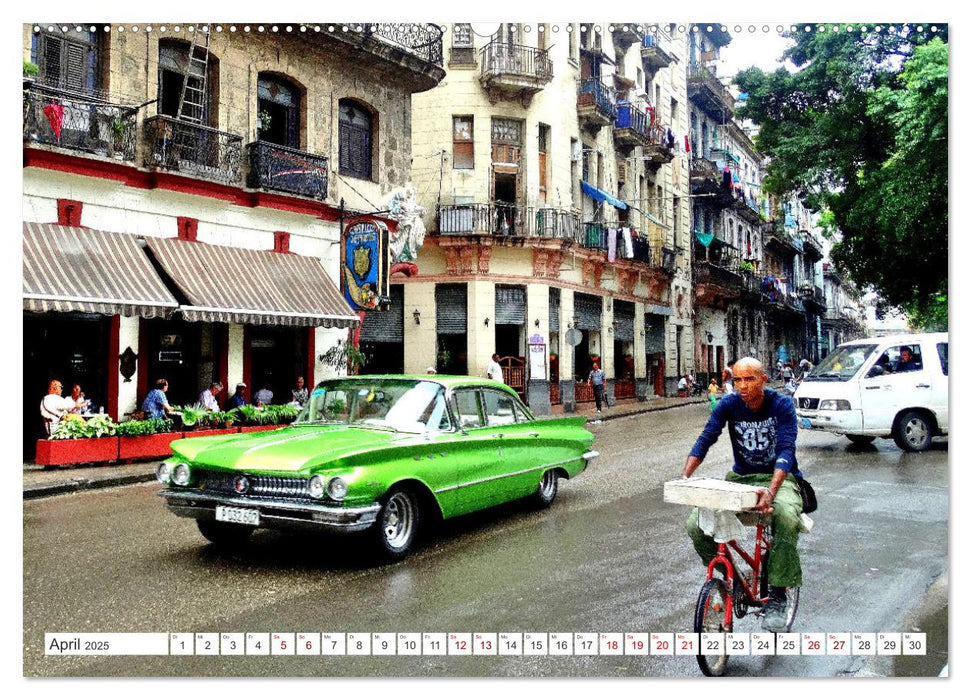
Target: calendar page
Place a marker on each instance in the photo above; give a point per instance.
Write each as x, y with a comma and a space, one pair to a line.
343, 293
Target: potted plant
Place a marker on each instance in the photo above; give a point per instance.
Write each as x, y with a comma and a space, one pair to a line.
345, 356
31, 70
78, 441
263, 120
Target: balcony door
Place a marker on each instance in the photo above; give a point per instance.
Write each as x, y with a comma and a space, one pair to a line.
278, 111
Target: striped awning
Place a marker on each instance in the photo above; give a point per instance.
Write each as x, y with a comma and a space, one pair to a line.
73, 269
234, 285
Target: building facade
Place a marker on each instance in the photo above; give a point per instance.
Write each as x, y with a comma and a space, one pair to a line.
556, 204
184, 193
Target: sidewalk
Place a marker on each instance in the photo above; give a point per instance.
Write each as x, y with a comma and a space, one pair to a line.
40, 482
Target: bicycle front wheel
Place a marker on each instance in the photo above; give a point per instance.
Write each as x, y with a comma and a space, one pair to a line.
710, 616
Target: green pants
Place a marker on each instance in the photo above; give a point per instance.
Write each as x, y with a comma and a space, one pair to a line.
784, 567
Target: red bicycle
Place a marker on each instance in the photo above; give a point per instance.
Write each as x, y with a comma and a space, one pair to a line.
722, 600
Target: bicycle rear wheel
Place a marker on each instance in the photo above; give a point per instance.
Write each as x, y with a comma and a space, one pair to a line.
710, 617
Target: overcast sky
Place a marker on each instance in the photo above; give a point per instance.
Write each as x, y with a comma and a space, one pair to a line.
752, 48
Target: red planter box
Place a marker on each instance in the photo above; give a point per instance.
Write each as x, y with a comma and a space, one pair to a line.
146, 446
213, 431
54, 452
258, 428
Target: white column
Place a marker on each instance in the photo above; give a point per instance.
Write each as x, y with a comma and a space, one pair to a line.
127, 391
234, 366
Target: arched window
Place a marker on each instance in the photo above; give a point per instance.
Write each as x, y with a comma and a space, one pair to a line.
173, 67
354, 140
278, 111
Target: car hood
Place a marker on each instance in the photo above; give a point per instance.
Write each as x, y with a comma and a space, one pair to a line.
286, 450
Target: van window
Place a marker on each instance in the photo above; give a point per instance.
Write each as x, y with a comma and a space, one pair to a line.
901, 358
841, 364
942, 353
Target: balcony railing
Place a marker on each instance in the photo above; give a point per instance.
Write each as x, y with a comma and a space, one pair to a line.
629, 117
525, 62
596, 236
596, 102
508, 220
79, 121
705, 88
423, 40
193, 149
724, 274
275, 167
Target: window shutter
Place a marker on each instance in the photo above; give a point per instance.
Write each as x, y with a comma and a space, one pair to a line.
554, 310
624, 317
51, 68
386, 326
588, 310
511, 305
450, 309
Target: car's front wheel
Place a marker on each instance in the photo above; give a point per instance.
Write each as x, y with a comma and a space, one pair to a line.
913, 432
224, 534
397, 524
546, 491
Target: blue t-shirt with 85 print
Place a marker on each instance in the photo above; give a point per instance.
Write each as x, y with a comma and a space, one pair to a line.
762, 441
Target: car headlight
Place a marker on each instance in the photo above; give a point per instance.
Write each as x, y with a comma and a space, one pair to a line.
316, 486
180, 474
834, 405
337, 488
164, 472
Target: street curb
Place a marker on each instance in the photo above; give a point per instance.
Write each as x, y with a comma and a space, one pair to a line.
73, 485
641, 411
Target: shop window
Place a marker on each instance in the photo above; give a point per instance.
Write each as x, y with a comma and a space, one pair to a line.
278, 110
355, 138
67, 60
463, 143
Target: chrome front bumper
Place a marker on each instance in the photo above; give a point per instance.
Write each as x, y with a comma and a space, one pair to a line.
278, 515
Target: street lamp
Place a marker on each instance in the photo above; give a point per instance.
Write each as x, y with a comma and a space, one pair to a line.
416, 314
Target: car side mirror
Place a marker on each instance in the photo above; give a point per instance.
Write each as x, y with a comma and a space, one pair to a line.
876, 371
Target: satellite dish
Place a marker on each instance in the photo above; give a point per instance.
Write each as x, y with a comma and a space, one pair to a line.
574, 337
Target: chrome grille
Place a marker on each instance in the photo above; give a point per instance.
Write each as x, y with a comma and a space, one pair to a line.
809, 404
261, 486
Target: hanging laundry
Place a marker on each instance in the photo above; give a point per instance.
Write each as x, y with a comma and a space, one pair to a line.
628, 243
727, 178
55, 115
611, 244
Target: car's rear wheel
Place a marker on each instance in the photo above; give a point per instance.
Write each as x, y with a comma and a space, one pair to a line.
397, 523
913, 432
546, 491
224, 534
861, 439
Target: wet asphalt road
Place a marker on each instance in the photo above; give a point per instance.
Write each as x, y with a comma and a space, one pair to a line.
609, 556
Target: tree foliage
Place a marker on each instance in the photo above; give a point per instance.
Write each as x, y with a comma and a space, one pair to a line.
859, 131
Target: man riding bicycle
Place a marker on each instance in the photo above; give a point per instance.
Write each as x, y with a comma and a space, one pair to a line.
762, 427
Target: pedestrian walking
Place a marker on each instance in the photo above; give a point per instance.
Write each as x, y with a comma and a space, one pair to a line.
494, 370
598, 380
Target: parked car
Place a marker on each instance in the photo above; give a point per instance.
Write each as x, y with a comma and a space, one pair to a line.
895, 386
384, 454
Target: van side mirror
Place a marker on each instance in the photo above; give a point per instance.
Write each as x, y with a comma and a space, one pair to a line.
876, 371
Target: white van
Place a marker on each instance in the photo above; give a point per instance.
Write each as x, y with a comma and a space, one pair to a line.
894, 386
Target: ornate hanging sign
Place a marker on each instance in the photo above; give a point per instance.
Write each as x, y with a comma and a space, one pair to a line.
365, 262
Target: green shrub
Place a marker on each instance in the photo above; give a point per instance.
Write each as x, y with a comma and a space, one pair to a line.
73, 429
137, 428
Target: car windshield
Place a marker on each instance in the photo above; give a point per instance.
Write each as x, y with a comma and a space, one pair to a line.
410, 406
842, 364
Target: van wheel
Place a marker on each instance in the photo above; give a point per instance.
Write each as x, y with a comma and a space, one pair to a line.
913, 432
861, 439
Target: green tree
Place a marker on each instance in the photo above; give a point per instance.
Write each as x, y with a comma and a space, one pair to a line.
859, 131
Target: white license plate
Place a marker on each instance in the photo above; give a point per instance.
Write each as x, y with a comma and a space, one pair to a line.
246, 516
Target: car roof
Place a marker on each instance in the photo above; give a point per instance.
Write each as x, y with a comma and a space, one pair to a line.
900, 339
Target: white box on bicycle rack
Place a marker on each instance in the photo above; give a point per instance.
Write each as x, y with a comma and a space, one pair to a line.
716, 494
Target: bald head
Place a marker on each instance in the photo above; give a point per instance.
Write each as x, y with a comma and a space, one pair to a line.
748, 362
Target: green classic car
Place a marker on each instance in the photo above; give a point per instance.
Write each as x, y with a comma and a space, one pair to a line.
377, 453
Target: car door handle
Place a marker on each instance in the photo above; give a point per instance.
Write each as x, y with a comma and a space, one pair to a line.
872, 387
536, 435
923, 386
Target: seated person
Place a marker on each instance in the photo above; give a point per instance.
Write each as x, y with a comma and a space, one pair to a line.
156, 404
906, 363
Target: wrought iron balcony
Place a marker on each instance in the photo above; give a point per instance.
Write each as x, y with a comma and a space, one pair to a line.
724, 274
777, 236
512, 68
706, 90
660, 146
653, 56
510, 220
78, 121
626, 34
193, 149
422, 40
595, 104
596, 236
812, 245
631, 127
274, 167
